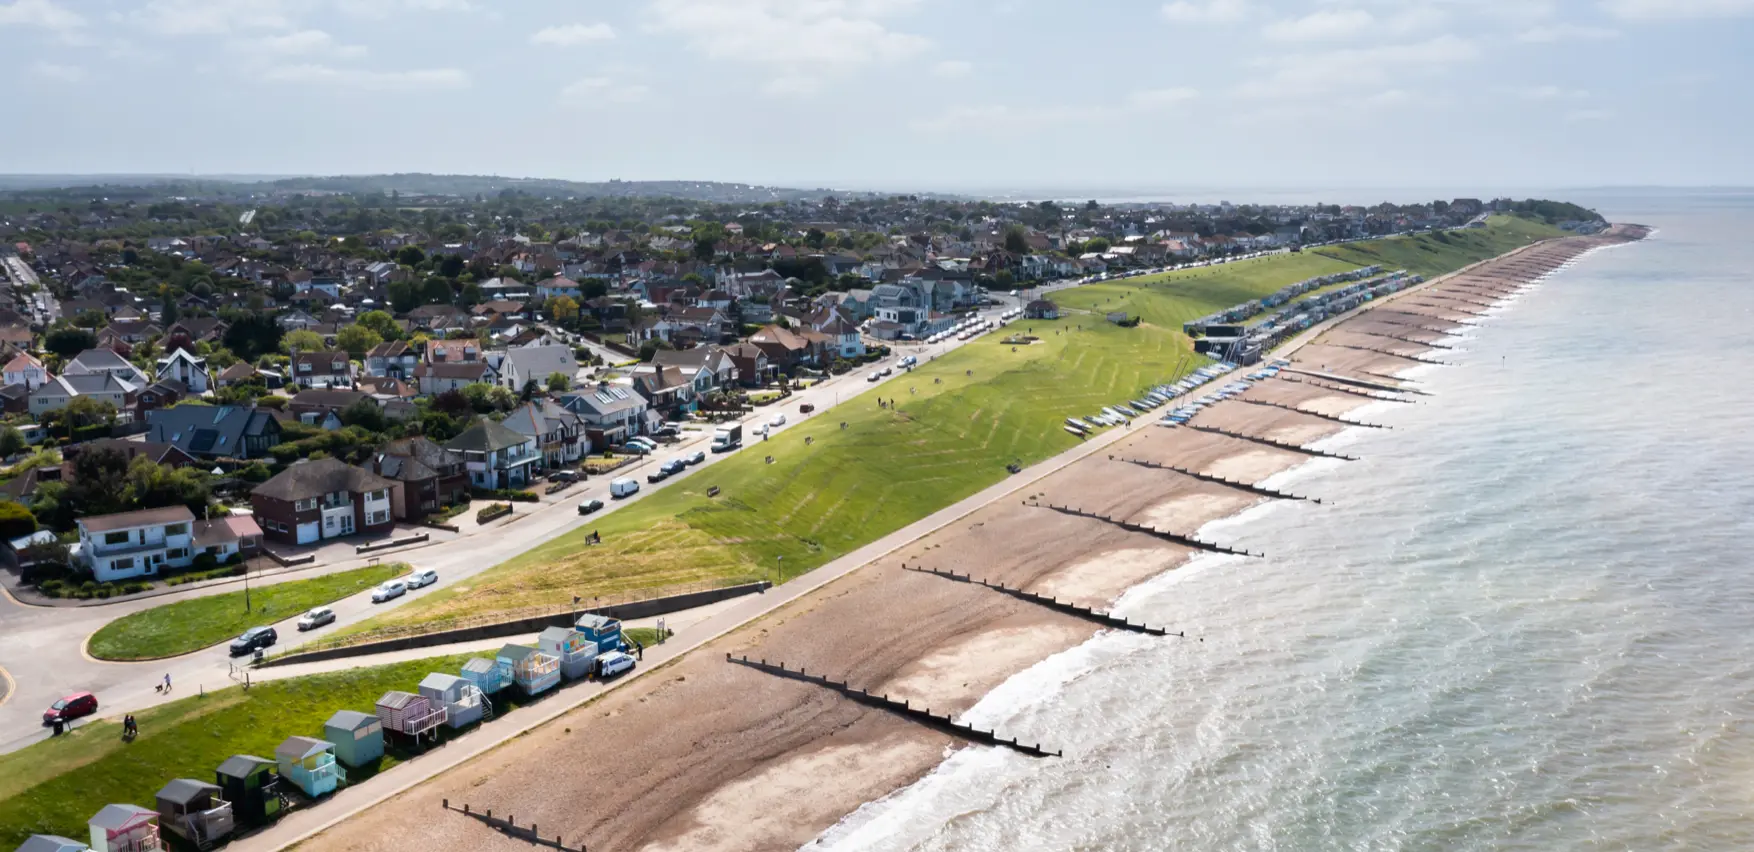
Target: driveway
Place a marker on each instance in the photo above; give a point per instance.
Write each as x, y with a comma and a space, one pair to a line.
43, 648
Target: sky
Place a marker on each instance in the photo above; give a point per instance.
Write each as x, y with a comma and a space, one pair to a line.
1116, 96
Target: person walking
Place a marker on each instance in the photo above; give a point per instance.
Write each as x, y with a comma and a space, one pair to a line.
167, 681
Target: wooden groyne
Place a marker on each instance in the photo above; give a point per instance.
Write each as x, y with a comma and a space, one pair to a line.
1404, 339
1084, 612
1388, 353
1354, 391
1129, 526
508, 826
1348, 380
1431, 328
1219, 480
1439, 294
1328, 417
1269, 442
1402, 389
1451, 308
904, 707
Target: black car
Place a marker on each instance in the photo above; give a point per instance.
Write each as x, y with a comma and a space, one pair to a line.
253, 639
658, 475
590, 506
563, 476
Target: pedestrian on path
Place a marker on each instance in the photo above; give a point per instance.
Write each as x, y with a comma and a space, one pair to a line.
167, 681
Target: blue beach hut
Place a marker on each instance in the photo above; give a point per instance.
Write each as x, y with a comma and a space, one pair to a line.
603, 630
51, 843
534, 671
309, 764
489, 676
358, 737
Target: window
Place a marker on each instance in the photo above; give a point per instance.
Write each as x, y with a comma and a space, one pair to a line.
176, 529
305, 505
126, 563
380, 494
118, 537
176, 553
377, 517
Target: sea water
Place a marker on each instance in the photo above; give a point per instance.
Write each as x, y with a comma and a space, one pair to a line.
1524, 621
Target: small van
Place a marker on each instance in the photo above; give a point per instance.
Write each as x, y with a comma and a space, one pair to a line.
613, 663
623, 487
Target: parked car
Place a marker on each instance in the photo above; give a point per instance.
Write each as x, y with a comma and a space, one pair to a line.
658, 475
422, 579
614, 663
389, 590
590, 506
887, 371
624, 487
316, 618
253, 639
637, 441
564, 476
778, 420
874, 377
806, 408
71, 707
675, 465
636, 449
698, 457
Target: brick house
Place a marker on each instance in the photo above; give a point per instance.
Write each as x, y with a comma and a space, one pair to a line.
313, 501
431, 476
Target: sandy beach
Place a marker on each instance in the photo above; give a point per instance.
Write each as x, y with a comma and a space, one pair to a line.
703, 755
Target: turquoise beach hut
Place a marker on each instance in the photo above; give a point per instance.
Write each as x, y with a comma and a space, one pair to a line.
489, 676
358, 737
309, 764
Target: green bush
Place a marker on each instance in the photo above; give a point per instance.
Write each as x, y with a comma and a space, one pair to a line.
492, 512
511, 494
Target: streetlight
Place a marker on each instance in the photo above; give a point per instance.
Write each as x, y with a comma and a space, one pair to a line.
779, 569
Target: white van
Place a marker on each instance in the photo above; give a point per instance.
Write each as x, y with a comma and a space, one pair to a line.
623, 487
613, 663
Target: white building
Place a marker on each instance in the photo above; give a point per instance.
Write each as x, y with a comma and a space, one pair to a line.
137, 544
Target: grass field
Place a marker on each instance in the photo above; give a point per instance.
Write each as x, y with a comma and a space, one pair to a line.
191, 625
53, 787
961, 418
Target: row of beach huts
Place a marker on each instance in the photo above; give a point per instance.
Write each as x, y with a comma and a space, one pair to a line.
1240, 313
1122, 413
1245, 344
250, 791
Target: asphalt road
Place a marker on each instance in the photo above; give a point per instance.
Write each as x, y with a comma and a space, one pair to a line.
42, 647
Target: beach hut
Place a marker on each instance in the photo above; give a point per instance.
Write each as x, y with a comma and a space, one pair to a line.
252, 785
409, 714
489, 676
576, 651
603, 630
532, 670
309, 764
195, 811
125, 828
51, 843
463, 703
358, 737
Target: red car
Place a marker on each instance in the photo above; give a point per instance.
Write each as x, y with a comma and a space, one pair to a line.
72, 707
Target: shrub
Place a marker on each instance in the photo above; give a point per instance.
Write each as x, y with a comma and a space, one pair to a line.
493, 511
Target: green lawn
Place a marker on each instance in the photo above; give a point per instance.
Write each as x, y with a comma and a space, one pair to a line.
960, 420
191, 625
53, 787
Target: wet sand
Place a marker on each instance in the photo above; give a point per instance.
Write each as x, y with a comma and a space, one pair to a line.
705, 755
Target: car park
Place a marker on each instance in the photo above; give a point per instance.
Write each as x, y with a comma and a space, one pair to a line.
589, 506
389, 590
422, 579
70, 707
316, 618
253, 639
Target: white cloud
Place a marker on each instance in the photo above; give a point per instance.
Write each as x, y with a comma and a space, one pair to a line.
1548, 33
805, 42
386, 8
1354, 70
1157, 98
596, 91
1550, 93
40, 13
212, 17
300, 43
1316, 26
1207, 11
953, 68
572, 35
58, 73
1589, 115
366, 80
1638, 10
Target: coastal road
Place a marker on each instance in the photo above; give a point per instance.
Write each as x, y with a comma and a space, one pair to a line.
43, 647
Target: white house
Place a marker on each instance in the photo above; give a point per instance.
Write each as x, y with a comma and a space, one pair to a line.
100, 361
26, 370
62, 389
136, 544
185, 368
527, 364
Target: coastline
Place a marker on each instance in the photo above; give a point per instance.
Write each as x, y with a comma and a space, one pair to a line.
711, 756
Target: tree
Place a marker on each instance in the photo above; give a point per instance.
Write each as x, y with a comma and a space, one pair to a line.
68, 342
12, 442
437, 291
1016, 242
252, 336
814, 238
410, 256
99, 481
178, 341
471, 295
563, 308
559, 382
168, 312
151, 485
594, 288
450, 266
704, 249
82, 411
1097, 245
16, 520
91, 318
532, 389
357, 339
365, 414
302, 340
382, 323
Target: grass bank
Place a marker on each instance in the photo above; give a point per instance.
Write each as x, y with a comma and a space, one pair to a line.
959, 420
54, 786
190, 625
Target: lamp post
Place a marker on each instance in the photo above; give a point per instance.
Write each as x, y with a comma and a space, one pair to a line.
779, 570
